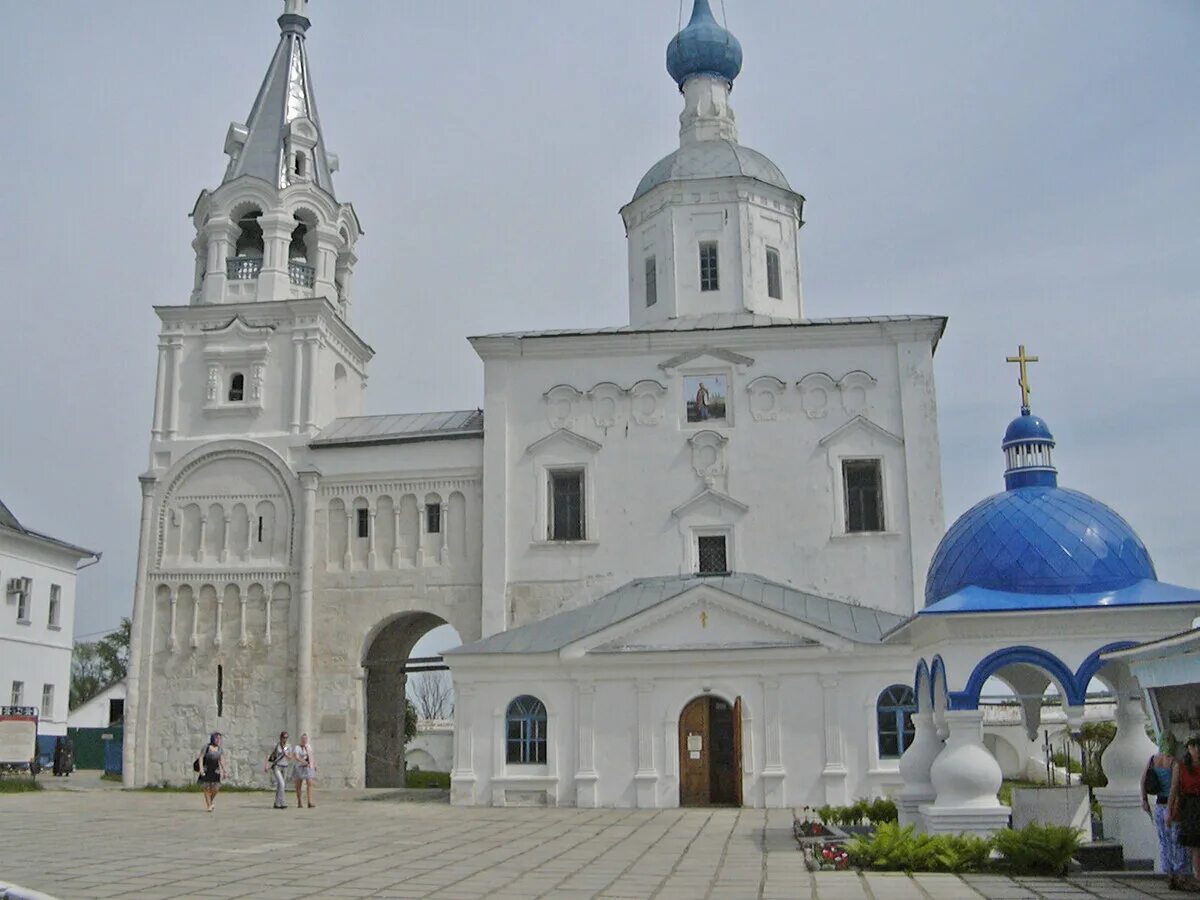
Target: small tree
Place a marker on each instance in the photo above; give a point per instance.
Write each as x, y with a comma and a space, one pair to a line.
433, 694
97, 664
1093, 739
410, 721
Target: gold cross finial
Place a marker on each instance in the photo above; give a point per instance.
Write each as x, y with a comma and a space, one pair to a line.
1022, 360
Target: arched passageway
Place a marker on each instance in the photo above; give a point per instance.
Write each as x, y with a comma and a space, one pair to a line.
387, 662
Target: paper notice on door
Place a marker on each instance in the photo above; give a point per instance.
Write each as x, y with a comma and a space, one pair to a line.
695, 743
695, 754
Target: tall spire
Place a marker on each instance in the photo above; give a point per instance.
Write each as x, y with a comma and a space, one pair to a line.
281, 142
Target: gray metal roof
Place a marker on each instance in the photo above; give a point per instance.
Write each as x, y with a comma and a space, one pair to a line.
719, 322
285, 96
9, 522
856, 623
400, 429
711, 159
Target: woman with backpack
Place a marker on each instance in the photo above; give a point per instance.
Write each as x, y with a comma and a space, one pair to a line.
1156, 782
211, 766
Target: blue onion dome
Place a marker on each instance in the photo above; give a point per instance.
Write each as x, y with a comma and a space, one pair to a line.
1035, 537
704, 48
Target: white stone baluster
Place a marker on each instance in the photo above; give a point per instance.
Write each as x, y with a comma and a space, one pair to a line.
966, 778
174, 598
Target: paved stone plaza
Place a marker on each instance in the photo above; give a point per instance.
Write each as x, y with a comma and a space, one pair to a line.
110, 843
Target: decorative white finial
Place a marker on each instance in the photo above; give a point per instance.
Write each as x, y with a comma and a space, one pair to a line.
295, 8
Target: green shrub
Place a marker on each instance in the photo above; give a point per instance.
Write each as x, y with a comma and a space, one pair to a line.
895, 849
1037, 849
882, 810
419, 779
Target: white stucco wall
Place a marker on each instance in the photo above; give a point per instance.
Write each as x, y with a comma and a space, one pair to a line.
614, 406
95, 712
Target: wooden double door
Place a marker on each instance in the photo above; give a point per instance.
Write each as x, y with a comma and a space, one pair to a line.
710, 753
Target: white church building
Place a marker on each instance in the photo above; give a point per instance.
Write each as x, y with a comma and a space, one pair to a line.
652, 615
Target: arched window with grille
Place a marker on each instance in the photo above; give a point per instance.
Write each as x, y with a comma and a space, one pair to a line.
525, 730
237, 388
893, 712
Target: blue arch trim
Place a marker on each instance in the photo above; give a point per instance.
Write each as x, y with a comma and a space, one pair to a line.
968, 697
922, 671
938, 665
1093, 664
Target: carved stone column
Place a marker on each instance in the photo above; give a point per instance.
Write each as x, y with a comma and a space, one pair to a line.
203, 535
966, 778
396, 534
195, 639
372, 511
915, 765
220, 616
225, 538
297, 382
1124, 763
242, 639
220, 233
172, 644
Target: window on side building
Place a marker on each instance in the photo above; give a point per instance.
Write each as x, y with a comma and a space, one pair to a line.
864, 494
54, 616
525, 731
18, 693
47, 710
566, 505
893, 712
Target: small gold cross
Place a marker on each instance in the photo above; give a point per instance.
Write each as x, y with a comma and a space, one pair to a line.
1023, 360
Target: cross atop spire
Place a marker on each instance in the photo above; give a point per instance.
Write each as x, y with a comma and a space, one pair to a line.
1022, 360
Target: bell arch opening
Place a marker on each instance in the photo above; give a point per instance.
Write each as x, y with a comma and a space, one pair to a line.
403, 666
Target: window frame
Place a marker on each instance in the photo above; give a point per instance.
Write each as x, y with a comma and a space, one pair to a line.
362, 522
46, 710
881, 507
710, 281
552, 472
54, 609
774, 274
17, 694
700, 570
899, 710
23, 597
651, 280
237, 384
702, 531
433, 516
531, 745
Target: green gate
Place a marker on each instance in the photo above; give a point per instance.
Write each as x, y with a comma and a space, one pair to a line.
90, 744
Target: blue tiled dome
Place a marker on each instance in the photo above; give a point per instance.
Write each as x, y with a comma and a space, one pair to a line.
1038, 540
703, 48
1027, 427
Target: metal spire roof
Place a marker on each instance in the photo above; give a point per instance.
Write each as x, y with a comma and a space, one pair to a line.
286, 96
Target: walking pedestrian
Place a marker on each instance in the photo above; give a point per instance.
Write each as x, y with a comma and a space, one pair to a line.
306, 770
1156, 780
277, 765
211, 766
1185, 802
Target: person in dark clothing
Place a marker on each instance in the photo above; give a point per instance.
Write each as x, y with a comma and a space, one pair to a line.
64, 755
212, 767
1185, 802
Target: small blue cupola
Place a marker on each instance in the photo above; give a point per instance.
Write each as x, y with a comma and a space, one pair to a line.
704, 48
1027, 448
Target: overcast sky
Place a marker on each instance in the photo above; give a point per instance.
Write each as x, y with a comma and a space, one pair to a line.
1028, 169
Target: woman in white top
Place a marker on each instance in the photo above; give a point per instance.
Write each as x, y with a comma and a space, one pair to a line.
306, 769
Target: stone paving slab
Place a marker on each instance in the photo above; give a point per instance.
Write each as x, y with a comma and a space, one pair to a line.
75, 843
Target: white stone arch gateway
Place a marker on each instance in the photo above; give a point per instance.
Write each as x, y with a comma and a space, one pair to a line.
385, 655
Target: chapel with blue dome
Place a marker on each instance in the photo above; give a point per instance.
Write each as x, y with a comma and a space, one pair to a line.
1036, 545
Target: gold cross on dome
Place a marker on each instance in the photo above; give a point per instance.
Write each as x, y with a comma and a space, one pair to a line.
1023, 360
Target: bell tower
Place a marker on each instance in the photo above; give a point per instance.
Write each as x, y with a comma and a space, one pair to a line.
274, 229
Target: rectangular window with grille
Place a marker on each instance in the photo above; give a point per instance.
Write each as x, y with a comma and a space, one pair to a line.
651, 281
433, 518
364, 523
774, 278
864, 494
712, 554
47, 701
710, 279
18, 693
566, 505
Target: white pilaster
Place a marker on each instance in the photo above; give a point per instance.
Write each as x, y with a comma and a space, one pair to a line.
585, 769
172, 644
833, 775
220, 616
135, 754
242, 640
160, 391
312, 369
646, 777
372, 511
462, 778
175, 347
304, 640
297, 382
773, 773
